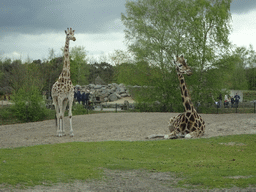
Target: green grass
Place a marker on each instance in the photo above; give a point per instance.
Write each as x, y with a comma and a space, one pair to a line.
202, 163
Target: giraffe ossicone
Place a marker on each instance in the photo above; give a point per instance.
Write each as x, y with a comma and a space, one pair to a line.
63, 89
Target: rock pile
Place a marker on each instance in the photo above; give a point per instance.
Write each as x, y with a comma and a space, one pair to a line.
105, 93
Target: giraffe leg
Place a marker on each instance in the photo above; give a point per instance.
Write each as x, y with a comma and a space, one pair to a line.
170, 124
70, 115
172, 128
65, 102
59, 132
172, 135
55, 103
58, 121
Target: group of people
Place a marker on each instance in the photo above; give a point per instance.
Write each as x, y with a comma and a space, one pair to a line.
82, 97
233, 100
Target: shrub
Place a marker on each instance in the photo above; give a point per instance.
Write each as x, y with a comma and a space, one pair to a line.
78, 109
29, 105
5, 113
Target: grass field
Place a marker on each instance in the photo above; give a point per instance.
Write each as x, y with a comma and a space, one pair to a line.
219, 162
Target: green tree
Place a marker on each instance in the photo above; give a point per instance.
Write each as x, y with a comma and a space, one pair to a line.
156, 31
79, 68
103, 69
52, 69
121, 56
245, 59
251, 68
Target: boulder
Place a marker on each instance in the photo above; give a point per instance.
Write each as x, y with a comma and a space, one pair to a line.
112, 97
118, 96
122, 90
105, 99
97, 87
124, 95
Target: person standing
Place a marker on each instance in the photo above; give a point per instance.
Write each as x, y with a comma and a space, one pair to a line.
83, 97
87, 97
78, 96
237, 97
232, 102
220, 100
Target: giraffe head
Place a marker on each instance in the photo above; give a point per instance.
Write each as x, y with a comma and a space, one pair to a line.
182, 67
70, 34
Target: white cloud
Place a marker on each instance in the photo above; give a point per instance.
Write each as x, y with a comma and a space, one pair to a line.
37, 46
244, 29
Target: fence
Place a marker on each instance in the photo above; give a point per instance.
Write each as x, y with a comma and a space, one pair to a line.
244, 107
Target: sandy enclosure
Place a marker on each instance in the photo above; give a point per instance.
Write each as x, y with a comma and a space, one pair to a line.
118, 127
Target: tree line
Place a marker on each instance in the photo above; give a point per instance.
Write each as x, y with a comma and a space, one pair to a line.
15, 75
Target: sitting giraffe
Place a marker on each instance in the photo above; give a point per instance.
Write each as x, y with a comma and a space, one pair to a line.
190, 123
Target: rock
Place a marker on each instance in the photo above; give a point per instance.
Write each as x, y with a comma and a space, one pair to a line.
122, 90
105, 99
112, 97
124, 95
103, 91
118, 96
97, 87
114, 84
112, 91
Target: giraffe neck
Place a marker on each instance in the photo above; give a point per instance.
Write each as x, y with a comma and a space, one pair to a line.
66, 64
186, 99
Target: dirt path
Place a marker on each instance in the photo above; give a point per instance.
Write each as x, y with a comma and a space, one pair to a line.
119, 127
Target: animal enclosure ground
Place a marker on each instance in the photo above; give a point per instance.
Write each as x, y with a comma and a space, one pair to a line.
118, 127
122, 127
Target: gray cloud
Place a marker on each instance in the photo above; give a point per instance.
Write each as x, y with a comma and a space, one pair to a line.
242, 6
31, 27
36, 16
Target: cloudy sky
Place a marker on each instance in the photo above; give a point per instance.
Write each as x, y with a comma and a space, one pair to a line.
32, 27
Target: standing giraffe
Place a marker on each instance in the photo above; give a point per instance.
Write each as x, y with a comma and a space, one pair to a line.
189, 123
63, 89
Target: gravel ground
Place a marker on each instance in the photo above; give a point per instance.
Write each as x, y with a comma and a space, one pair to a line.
119, 127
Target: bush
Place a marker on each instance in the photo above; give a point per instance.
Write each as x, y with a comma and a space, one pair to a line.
29, 105
78, 109
5, 113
